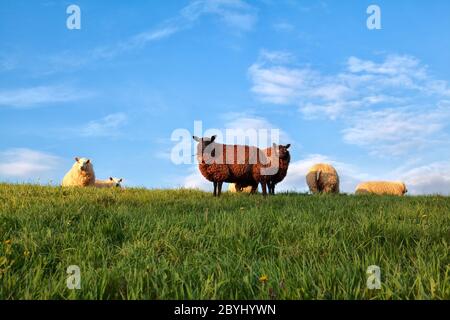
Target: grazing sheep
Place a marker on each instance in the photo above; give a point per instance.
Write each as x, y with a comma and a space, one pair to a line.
281, 154
322, 178
221, 163
80, 175
382, 188
237, 188
110, 183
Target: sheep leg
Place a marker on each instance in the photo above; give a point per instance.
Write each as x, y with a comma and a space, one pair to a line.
264, 188
272, 188
215, 188
219, 191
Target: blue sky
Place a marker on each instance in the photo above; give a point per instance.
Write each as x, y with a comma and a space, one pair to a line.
375, 103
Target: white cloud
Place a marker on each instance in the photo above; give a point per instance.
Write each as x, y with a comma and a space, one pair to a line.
237, 14
195, 180
278, 84
433, 178
107, 126
244, 121
395, 131
26, 163
394, 106
38, 96
276, 56
7, 63
283, 27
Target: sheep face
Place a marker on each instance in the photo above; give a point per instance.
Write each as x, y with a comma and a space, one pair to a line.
282, 151
83, 164
405, 190
205, 148
116, 181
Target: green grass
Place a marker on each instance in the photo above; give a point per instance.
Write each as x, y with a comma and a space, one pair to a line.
185, 244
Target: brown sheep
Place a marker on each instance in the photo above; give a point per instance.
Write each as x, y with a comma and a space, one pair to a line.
221, 163
382, 188
283, 157
322, 178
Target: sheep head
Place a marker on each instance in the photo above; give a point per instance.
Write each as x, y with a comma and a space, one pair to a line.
116, 181
83, 164
205, 148
281, 151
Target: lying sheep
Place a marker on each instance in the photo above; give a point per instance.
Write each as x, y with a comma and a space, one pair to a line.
281, 154
110, 183
237, 188
322, 178
382, 188
80, 175
221, 163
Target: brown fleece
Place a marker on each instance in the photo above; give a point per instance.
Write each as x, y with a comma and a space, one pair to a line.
283, 165
217, 168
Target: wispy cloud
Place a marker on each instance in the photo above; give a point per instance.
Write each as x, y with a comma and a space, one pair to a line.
194, 180
26, 163
247, 121
395, 104
433, 178
283, 27
108, 126
393, 132
235, 14
7, 63
40, 96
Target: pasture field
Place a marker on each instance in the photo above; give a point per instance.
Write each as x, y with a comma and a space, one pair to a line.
185, 244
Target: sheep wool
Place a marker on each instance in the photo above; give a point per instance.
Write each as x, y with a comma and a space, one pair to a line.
80, 175
221, 163
110, 183
281, 154
237, 188
323, 178
396, 188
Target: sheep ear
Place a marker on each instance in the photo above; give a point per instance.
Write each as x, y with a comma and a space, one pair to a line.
120, 180
77, 159
88, 161
213, 138
196, 138
111, 178
288, 146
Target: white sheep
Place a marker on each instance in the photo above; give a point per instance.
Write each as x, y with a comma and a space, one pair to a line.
235, 188
110, 183
382, 188
80, 175
323, 178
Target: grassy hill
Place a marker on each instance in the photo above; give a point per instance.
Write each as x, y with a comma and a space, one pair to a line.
170, 244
